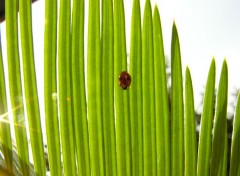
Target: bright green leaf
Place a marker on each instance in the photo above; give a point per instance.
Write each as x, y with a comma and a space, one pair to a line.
177, 141
161, 99
15, 86
220, 124
205, 137
50, 87
190, 140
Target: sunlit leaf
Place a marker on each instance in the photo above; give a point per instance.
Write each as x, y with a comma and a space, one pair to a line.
5, 134
14, 78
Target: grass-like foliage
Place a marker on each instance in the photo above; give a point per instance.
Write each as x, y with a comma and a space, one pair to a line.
93, 125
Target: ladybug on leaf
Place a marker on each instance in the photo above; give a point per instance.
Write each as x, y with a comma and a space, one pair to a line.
124, 80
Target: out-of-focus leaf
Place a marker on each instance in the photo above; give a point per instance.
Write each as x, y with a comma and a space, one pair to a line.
235, 154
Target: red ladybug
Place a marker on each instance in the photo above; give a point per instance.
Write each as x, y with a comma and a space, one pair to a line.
124, 80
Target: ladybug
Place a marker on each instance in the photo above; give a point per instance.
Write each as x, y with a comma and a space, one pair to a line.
124, 80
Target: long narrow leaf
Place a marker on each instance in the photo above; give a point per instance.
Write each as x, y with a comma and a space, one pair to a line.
94, 90
5, 134
205, 138
64, 87
108, 88
161, 99
220, 124
235, 154
78, 85
149, 123
177, 141
30, 87
14, 77
190, 145
225, 156
136, 91
121, 96
50, 87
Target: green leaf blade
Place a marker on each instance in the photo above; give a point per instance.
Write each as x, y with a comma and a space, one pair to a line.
190, 145
205, 138
161, 99
121, 96
177, 140
108, 88
50, 87
136, 91
149, 123
220, 124
235, 154
5, 133
64, 87
30, 87
14, 77
78, 86
94, 90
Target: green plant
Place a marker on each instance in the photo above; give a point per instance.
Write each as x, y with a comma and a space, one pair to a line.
105, 130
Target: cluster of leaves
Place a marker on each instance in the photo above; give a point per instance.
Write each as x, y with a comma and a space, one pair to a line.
110, 131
